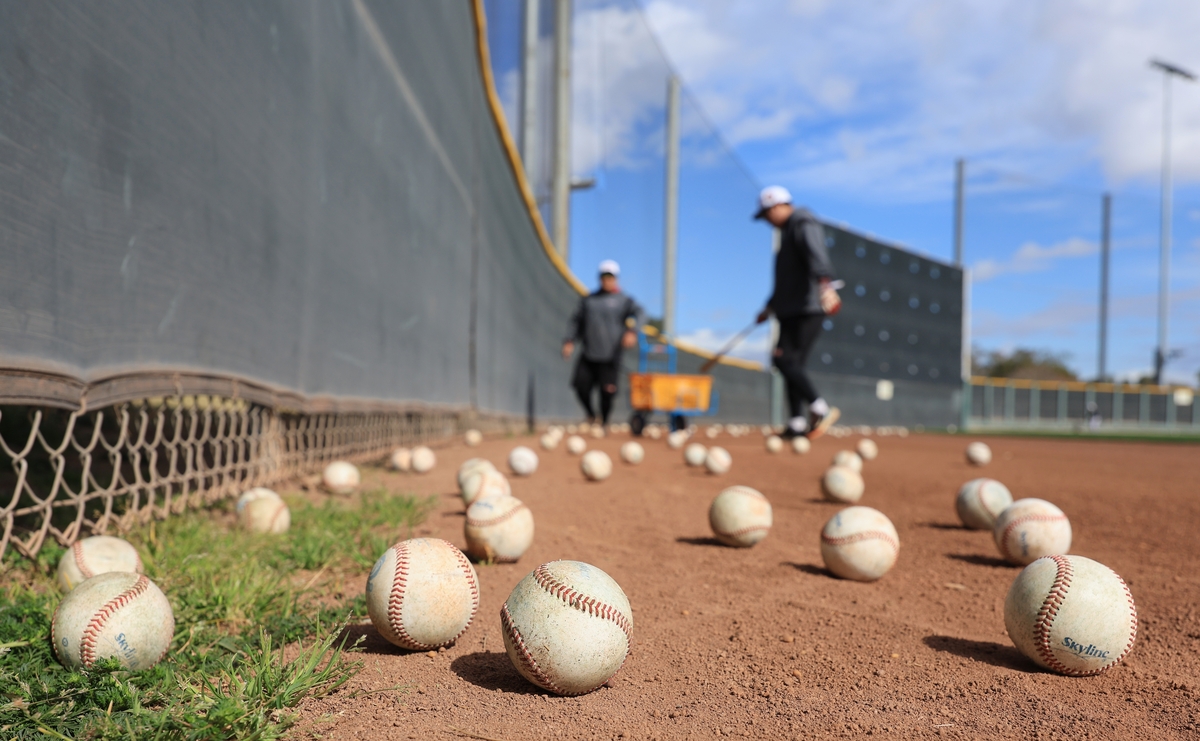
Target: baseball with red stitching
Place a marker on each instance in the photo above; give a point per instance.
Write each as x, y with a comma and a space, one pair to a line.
549, 441
114, 615
422, 594
867, 449
1031, 528
341, 477
261, 510
567, 627
482, 483
498, 529
1071, 615
848, 459
400, 460
576, 445
99, 554
980, 502
694, 454
718, 460
842, 484
860, 543
472, 438
979, 454
423, 459
632, 453
596, 465
801, 445
774, 444
522, 461
740, 516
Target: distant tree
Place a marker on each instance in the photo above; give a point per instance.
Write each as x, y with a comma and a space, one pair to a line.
1022, 363
655, 322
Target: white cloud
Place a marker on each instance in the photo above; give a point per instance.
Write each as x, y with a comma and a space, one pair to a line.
755, 347
1032, 257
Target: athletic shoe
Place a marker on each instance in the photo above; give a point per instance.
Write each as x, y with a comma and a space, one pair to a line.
818, 425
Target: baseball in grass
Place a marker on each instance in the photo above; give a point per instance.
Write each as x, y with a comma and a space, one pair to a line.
1031, 528
483, 483
979, 454
423, 459
717, 460
980, 502
99, 554
1071, 615
842, 484
261, 510
341, 477
859, 543
774, 444
422, 594
498, 529
849, 459
548, 441
694, 454
522, 461
867, 449
632, 453
740, 516
596, 465
401, 459
567, 627
115, 615
472, 438
801, 445
576, 445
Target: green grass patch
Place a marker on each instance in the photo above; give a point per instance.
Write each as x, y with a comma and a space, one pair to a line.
238, 600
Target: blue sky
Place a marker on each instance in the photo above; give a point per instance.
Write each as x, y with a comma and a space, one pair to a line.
861, 108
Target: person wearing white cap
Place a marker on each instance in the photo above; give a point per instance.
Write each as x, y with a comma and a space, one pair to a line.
802, 296
601, 324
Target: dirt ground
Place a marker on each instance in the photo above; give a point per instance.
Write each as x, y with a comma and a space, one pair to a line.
765, 643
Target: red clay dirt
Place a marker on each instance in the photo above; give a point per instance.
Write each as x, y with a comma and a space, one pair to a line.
764, 643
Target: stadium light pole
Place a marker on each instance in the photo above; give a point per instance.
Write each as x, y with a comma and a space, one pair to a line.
1105, 250
529, 85
960, 177
671, 206
560, 191
1164, 239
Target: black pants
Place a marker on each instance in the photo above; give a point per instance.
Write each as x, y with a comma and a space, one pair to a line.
592, 373
797, 334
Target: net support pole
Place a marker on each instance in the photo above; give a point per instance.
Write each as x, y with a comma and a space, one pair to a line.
560, 195
960, 168
671, 206
529, 86
1105, 247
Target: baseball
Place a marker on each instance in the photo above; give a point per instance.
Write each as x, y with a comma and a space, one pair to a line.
114, 615
522, 461
548, 441
653, 432
867, 449
1031, 528
694, 454
597, 431
572, 429
775, 443
498, 529
567, 627
423, 459
740, 516
341, 477
263, 511
980, 502
422, 594
801, 445
401, 459
482, 483
842, 484
1071, 615
979, 454
848, 459
859, 543
99, 554
712, 432
469, 466
576, 445
676, 439
717, 460
472, 438
596, 465
632, 453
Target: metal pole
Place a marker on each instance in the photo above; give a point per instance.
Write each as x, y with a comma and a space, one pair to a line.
1164, 237
778, 417
1105, 248
960, 168
964, 411
671, 204
529, 84
560, 195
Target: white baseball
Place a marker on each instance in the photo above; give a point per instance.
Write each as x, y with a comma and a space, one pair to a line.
472, 438
576, 445
694, 454
596, 465
1031, 528
422, 594
469, 466
341, 477
114, 615
718, 460
548, 441
867, 449
99, 554
980, 502
401, 459
859, 543
597, 431
842, 484
572, 429
522, 461
482, 483
712, 432
567, 627
979, 454
740, 516
498, 529
653, 432
676, 439
848, 459
774, 443
632, 453
1071, 615
261, 510
423, 459
801, 445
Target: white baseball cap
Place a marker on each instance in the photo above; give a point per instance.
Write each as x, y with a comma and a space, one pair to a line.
609, 267
772, 195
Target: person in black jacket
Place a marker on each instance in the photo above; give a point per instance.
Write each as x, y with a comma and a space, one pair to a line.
802, 296
600, 323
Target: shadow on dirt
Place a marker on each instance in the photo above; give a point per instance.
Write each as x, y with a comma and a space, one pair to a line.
987, 652
492, 671
373, 642
977, 560
945, 526
811, 569
702, 541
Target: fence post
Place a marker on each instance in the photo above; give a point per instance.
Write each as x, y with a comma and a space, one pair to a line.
1089, 398
1062, 403
1170, 402
1035, 402
1010, 401
1118, 403
1144, 407
989, 401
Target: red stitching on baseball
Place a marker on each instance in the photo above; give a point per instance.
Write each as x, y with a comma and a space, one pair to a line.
525, 657
496, 520
1021, 521
859, 537
77, 552
396, 599
1049, 610
91, 633
1133, 622
465, 564
743, 531
983, 504
581, 602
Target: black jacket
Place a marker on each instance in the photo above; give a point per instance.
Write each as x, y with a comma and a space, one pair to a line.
600, 322
799, 267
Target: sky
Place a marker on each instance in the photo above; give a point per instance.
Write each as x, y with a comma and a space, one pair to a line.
861, 109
